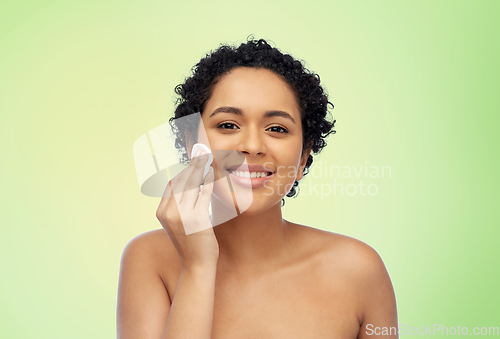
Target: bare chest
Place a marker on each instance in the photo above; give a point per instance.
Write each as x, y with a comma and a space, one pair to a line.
299, 303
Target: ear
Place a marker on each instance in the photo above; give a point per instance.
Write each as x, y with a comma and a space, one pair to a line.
303, 162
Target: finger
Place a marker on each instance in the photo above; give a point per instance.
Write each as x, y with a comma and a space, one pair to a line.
177, 184
174, 222
205, 195
183, 181
167, 194
192, 188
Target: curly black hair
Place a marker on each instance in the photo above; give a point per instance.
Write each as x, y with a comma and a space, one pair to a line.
197, 89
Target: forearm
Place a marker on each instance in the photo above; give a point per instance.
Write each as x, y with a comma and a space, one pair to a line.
191, 312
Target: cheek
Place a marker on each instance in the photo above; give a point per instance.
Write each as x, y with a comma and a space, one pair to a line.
216, 141
288, 169
290, 155
287, 156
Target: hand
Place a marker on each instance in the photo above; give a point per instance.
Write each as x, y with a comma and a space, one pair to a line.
184, 210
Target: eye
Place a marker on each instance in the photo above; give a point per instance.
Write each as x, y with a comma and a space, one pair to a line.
226, 124
284, 130
230, 125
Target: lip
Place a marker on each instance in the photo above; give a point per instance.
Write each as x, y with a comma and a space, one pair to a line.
250, 168
250, 182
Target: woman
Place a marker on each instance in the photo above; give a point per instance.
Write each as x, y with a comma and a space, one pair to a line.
255, 275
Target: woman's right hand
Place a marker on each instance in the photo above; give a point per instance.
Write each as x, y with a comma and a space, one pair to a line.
183, 209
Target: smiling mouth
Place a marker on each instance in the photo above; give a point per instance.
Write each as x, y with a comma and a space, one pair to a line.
250, 175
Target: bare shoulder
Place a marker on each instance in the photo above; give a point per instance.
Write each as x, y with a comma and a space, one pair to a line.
152, 242
355, 268
155, 249
340, 253
143, 303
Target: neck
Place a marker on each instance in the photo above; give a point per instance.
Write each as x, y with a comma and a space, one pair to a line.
252, 242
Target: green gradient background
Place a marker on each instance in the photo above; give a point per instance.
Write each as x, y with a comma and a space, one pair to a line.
415, 87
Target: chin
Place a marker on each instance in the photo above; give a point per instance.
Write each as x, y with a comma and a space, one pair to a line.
260, 206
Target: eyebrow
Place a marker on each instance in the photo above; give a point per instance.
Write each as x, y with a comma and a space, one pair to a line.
237, 111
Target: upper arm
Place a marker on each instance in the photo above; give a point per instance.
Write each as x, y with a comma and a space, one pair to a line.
378, 300
143, 302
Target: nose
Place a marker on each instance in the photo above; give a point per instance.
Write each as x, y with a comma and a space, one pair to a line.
251, 142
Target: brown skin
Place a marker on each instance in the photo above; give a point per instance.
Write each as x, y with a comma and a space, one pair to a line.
274, 278
255, 239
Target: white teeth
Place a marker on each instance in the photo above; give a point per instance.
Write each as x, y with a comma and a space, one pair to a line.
245, 174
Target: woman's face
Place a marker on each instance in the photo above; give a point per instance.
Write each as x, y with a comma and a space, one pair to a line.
254, 114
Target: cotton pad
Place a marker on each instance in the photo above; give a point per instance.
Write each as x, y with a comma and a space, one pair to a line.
206, 150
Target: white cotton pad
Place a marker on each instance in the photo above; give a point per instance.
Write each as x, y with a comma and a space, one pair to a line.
205, 149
